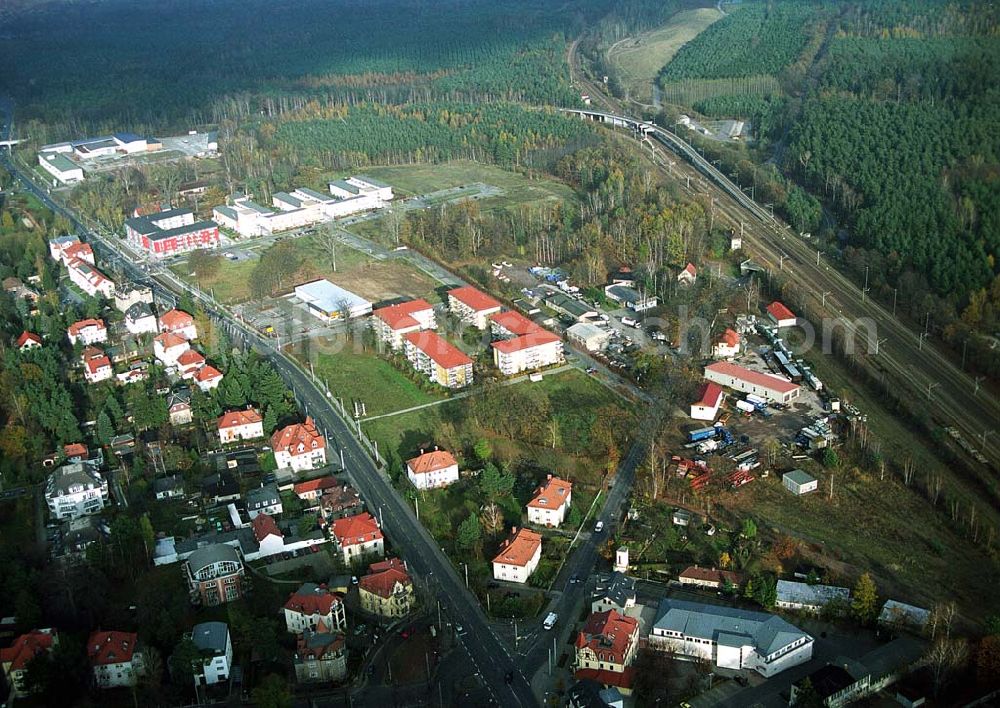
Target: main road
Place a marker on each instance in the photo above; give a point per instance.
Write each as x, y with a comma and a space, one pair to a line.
408, 536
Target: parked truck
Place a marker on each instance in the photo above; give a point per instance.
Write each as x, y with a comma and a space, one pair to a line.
702, 434
745, 406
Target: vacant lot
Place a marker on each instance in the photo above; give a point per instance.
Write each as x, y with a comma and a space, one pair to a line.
369, 277
639, 59
518, 189
357, 375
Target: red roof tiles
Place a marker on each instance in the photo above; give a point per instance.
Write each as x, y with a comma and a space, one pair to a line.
319, 602
77, 327
105, 648
440, 351
175, 319
400, 316
383, 583
431, 461
264, 526
233, 419
315, 485
775, 383
28, 337
298, 439
709, 394
520, 548
609, 635
478, 301
25, 648
354, 530
779, 312
552, 494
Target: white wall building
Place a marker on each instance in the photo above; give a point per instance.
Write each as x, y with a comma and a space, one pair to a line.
240, 425
430, 470
90, 280
312, 604
799, 482
299, 447
331, 302
727, 346
472, 306
168, 348
76, 489
358, 538
588, 336
216, 649
115, 658
551, 502
730, 638
391, 323
522, 345
739, 378
518, 557
139, 319
793, 595
60, 167
710, 397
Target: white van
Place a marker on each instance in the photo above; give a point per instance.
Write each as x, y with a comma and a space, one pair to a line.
550, 621
630, 321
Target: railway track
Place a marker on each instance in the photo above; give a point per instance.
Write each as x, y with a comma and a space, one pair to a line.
887, 346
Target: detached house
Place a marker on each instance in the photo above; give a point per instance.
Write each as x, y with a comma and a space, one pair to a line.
215, 575
190, 363
15, 658
358, 537
28, 340
710, 397
312, 605
518, 557
96, 365
180, 323
216, 650
710, 578
76, 489
168, 348
179, 407
727, 346
387, 589
139, 319
299, 447
115, 658
472, 306
780, 315
240, 425
264, 500
312, 490
430, 470
320, 657
551, 502
688, 276
606, 648
207, 378
393, 322
89, 331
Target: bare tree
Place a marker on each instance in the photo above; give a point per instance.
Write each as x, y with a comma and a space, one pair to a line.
327, 239
944, 658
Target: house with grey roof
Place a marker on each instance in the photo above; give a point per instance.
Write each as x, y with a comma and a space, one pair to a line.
899, 615
730, 638
168, 487
264, 500
616, 592
76, 489
216, 650
792, 595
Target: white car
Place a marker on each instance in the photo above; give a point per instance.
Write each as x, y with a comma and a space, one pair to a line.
598, 527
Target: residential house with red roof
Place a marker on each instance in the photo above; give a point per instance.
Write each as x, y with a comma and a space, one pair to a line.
430, 470
358, 538
780, 315
440, 361
713, 578
391, 323
15, 658
96, 365
727, 346
240, 425
190, 363
28, 340
522, 345
341, 501
688, 276
387, 589
472, 306
299, 446
551, 502
168, 347
89, 331
207, 378
180, 323
739, 378
320, 657
312, 605
115, 658
270, 539
606, 648
518, 557
313, 489
710, 397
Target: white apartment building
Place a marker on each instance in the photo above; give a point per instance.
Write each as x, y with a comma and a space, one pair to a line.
312, 604
551, 502
472, 306
393, 322
518, 557
88, 331
430, 470
358, 538
115, 658
522, 345
76, 489
90, 280
168, 348
139, 319
730, 638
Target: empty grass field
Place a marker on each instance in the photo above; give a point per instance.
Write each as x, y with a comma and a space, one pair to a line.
639, 59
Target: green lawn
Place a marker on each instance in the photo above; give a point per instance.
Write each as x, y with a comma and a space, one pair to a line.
518, 188
354, 375
230, 284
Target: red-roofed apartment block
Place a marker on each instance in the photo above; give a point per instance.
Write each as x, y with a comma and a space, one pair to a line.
312, 604
727, 346
240, 425
429, 470
393, 322
472, 306
168, 347
89, 279
440, 361
15, 658
115, 658
358, 538
551, 502
518, 557
769, 386
780, 315
523, 345
299, 447
606, 648
710, 397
